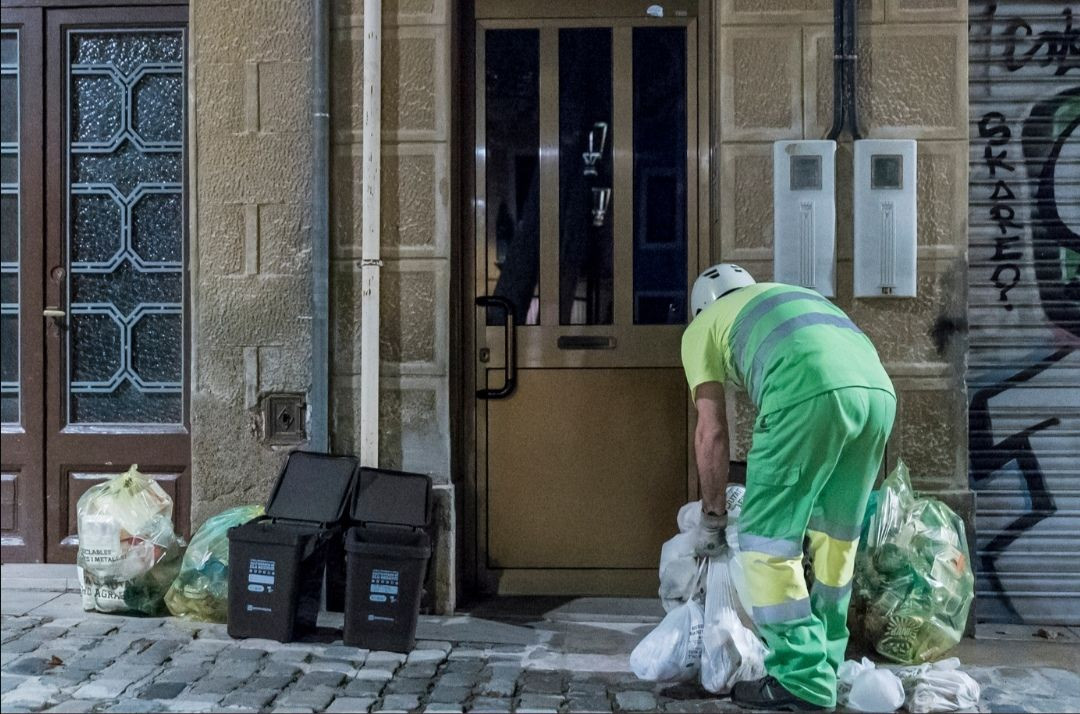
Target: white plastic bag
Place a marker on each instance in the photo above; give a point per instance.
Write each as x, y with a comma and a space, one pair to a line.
690, 514
730, 651
863, 687
735, 494
845, 677
678, 571
940, 687
672, 651
679, 567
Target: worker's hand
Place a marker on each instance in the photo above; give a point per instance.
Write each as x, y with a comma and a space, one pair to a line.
710, 540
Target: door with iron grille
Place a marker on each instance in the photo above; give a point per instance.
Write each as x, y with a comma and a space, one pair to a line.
95, 264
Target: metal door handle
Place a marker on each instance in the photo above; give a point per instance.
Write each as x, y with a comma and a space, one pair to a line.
53, 312
510, 346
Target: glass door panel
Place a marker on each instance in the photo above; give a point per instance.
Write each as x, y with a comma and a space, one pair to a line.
512, 165
586, 238
660, 185
9, 227
125, 226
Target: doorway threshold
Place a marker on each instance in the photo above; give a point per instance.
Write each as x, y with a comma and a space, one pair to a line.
566, 609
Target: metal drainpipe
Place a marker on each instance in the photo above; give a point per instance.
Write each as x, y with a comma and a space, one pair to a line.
851, 58
319, 407
839, 93
371, 263
845, 70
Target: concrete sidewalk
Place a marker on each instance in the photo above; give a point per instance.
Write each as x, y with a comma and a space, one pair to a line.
525, 655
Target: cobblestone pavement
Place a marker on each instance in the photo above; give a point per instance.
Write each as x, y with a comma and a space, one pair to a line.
57, 658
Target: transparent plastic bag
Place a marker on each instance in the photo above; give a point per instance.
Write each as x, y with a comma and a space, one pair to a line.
731, 652
913, 578
128, 552
201, 589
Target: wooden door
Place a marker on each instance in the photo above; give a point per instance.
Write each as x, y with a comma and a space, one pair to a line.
103, 302
22, 476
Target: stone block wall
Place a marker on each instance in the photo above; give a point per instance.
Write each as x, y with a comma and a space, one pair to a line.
774, 81
414, 334
250, 173
414, 331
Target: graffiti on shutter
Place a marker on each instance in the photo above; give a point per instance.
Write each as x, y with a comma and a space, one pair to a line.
1024, 308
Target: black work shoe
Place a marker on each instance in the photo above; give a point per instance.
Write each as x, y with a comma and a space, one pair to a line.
768, 694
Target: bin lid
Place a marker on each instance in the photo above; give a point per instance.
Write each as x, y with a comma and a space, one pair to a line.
312, 487
392, 498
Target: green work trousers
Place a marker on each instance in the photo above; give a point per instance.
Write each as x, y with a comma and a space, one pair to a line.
810, 471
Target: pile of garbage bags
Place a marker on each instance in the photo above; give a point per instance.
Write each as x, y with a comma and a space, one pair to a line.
132, 561
938, 687
128, 550
706, 633
201, 589
913, 582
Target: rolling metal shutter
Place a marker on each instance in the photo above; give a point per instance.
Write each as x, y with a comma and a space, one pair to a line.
1023, 374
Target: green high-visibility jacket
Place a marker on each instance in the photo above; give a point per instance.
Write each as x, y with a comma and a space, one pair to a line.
783, 344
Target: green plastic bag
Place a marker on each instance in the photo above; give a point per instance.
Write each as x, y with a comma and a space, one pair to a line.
201, 589
128, 550
913, 580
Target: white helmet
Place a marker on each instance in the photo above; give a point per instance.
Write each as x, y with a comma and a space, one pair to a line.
715, 283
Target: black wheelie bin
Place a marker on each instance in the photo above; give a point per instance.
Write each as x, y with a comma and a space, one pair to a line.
276, 562
387, 552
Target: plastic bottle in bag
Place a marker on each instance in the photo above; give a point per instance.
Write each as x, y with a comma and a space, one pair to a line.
913, 579
201, 589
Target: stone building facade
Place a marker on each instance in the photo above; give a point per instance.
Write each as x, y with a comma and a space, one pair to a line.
249, 89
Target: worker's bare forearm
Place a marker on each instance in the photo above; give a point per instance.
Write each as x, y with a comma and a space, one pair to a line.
713, 456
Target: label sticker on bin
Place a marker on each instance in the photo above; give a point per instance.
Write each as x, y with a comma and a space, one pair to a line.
261, 575
384, 586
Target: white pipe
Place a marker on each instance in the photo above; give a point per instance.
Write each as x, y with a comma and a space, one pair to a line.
371, 262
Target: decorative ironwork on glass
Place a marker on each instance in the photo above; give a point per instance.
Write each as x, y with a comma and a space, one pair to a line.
9, 227
125, 226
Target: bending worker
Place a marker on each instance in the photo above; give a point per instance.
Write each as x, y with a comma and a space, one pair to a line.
825, 409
